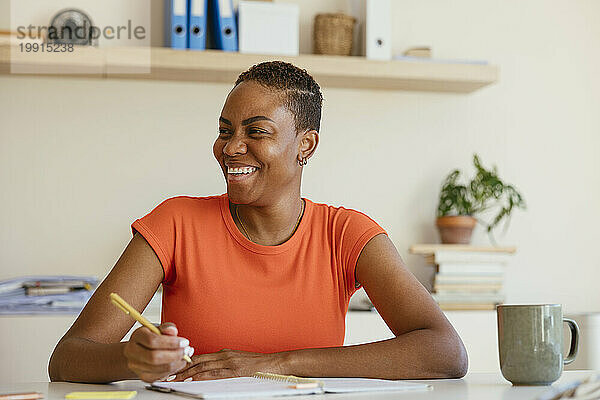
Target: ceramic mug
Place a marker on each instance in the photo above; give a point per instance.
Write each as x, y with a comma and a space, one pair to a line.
530, 342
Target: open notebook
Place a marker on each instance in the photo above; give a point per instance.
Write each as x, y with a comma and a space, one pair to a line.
280, 385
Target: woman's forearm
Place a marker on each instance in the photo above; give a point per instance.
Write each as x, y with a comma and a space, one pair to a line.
81, 360
420, 354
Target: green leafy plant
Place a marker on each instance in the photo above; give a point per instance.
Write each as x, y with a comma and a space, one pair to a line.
485, 191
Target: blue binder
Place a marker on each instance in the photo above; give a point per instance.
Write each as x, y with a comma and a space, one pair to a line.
224, 29
176, 26
197, 23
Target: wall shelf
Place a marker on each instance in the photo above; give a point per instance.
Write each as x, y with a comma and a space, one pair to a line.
429, 249
159, 63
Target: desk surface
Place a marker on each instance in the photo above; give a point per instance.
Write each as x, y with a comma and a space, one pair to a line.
476, 386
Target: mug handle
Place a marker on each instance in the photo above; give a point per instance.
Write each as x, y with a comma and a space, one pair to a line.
574, 341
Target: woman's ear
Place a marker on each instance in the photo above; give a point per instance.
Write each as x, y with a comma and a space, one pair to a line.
308, 144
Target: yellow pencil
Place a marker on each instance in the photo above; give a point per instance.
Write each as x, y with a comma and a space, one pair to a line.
127, 309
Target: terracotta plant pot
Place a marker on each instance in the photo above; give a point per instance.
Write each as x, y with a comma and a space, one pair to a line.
456, 229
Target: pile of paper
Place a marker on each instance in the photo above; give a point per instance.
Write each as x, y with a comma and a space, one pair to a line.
45, 294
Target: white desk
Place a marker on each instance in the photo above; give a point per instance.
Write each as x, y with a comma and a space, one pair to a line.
27, 341
476, 386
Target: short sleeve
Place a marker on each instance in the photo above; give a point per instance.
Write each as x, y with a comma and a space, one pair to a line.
159, 228
353, 233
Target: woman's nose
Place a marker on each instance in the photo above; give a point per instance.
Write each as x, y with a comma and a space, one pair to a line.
235, 145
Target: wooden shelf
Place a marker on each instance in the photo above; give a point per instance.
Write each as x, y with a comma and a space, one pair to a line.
427, 249
159, 63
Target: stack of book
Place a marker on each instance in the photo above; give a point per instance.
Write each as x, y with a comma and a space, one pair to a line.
467, 277
45, 294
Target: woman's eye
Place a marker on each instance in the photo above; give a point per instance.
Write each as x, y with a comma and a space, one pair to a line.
257, 132
223, 132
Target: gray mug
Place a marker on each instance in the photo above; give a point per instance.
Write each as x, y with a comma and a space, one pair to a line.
530, 342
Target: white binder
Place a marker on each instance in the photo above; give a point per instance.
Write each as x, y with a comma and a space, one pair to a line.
374, 30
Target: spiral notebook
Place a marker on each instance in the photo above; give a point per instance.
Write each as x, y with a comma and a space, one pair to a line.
263, 384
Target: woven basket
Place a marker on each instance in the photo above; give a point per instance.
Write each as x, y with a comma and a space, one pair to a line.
333, 34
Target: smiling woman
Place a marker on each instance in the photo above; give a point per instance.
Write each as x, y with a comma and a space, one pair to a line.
259, 278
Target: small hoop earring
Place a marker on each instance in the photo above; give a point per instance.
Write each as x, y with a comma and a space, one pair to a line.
303, 161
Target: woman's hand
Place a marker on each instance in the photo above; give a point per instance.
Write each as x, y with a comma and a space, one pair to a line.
152, 357
229, 364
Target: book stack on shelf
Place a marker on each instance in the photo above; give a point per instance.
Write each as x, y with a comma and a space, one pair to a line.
466, 277
56, 294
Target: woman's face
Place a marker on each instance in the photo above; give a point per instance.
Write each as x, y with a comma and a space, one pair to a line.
257, 146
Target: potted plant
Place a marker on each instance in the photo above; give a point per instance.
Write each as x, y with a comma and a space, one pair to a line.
459, 204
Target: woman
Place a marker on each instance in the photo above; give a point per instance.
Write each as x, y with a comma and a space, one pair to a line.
259, 279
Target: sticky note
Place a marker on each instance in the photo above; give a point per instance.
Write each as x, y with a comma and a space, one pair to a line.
102, 395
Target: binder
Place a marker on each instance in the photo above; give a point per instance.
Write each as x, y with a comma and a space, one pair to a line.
378, 35
374, 33
176, 24
224, 29
197, 24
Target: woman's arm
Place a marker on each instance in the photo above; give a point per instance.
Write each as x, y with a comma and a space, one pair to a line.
91, 350
426, 345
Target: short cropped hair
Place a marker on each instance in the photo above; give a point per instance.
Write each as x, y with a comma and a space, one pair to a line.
302, 94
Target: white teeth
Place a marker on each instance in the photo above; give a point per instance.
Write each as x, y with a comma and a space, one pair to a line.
241, 170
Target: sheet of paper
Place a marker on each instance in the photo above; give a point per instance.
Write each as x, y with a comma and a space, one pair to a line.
347, 385
252, 387
234, 387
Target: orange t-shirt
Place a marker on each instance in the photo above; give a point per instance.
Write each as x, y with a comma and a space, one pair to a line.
224, 291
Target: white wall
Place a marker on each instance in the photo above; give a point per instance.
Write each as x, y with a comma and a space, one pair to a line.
81, 159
